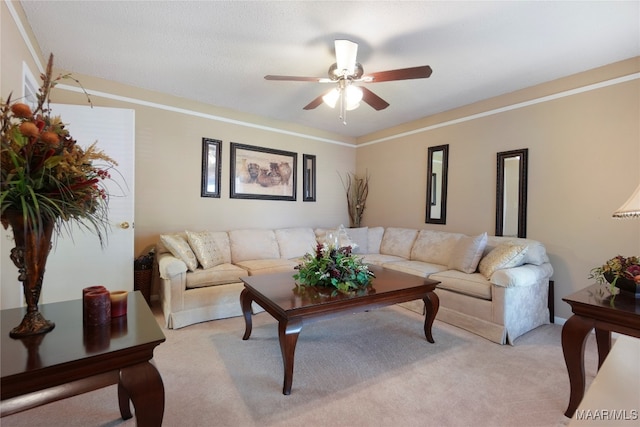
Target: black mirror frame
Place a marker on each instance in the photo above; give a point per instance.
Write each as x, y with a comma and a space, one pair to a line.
431, 184
522, 190
308, 178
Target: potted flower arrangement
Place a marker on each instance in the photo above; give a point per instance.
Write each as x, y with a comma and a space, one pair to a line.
47, 181
334, 268
621, 272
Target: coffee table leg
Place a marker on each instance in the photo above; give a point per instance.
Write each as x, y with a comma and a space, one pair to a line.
143, 384
288, 332
574, 339
245, 303
431, 303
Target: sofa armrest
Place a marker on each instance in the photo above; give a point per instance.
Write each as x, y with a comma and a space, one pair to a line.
524, 275
170, 266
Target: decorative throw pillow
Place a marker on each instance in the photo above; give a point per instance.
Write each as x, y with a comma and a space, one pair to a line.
180, 249
505, 255
206, 248
467, 253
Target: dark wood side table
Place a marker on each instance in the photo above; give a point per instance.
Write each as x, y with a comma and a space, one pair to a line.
74, 359
594, 308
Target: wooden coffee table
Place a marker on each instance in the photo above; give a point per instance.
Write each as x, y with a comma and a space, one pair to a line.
73, 359
278, 295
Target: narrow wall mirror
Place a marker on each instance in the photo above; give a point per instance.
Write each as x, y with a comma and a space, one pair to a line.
308, 178
437, 165
511, 193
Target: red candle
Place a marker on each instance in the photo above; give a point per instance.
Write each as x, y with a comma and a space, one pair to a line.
84, 292
118, 303
97, 307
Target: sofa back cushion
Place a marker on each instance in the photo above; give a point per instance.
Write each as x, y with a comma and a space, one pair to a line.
359, 239
210, 247
253, 244
434, 247
398, 241
374, 239
295, 242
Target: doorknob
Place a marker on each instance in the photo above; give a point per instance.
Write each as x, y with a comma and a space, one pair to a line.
124, 225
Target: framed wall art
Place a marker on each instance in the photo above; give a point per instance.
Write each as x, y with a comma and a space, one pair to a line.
308, 178
262, 173
211, 150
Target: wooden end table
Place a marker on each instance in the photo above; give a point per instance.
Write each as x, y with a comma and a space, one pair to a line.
277, 294
594, 308
73, 359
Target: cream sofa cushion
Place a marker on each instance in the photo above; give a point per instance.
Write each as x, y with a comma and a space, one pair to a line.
253, 244
179, 247
295, 242
434, 247
219, 275
417, 268
374, 239
475, 284
505, 255
398, 241
263, 266
211, 247
467, 252
380, 259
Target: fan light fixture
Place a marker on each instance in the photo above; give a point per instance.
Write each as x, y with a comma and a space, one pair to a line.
630, 208
352, 97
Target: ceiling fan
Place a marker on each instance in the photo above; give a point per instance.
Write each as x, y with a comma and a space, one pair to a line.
345, 72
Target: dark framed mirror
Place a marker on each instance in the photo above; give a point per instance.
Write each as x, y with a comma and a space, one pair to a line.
437, 167
308, 178
511, 193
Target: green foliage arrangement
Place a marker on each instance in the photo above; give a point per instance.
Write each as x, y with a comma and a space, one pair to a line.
335, 268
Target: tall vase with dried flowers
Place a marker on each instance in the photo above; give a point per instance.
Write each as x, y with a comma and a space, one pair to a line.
47, 181
357, 190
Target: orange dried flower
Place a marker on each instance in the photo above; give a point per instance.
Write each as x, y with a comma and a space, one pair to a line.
21, 110
50, 138
29, 129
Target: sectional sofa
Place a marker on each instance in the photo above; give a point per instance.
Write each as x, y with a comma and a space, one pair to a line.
496, 287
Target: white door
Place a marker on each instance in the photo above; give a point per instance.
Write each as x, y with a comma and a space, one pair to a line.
78, 261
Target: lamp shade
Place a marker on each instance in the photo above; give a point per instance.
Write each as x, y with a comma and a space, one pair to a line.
630, 208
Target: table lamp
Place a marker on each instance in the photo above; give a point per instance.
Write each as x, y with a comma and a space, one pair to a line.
630, 208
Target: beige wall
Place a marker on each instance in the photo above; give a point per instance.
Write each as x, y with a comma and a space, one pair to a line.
584, 157
584, 162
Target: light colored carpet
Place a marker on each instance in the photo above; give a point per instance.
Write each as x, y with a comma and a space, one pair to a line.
366, 369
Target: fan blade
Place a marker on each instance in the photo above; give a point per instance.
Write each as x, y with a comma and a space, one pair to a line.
402, 74
346, 52
313, 104
295, 78
372, 99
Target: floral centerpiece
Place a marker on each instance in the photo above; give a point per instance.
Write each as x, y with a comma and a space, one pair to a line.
334, 268
621, 272
47, 181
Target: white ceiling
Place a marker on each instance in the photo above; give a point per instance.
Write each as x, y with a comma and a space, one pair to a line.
218, 52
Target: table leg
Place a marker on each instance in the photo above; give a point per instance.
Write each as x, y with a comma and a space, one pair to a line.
123, 402
245, 303
603, 339
288, 332
431, 304
143, 385
574, 339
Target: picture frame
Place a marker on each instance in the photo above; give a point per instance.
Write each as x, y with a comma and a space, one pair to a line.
211, 168
262, 173
308, 178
